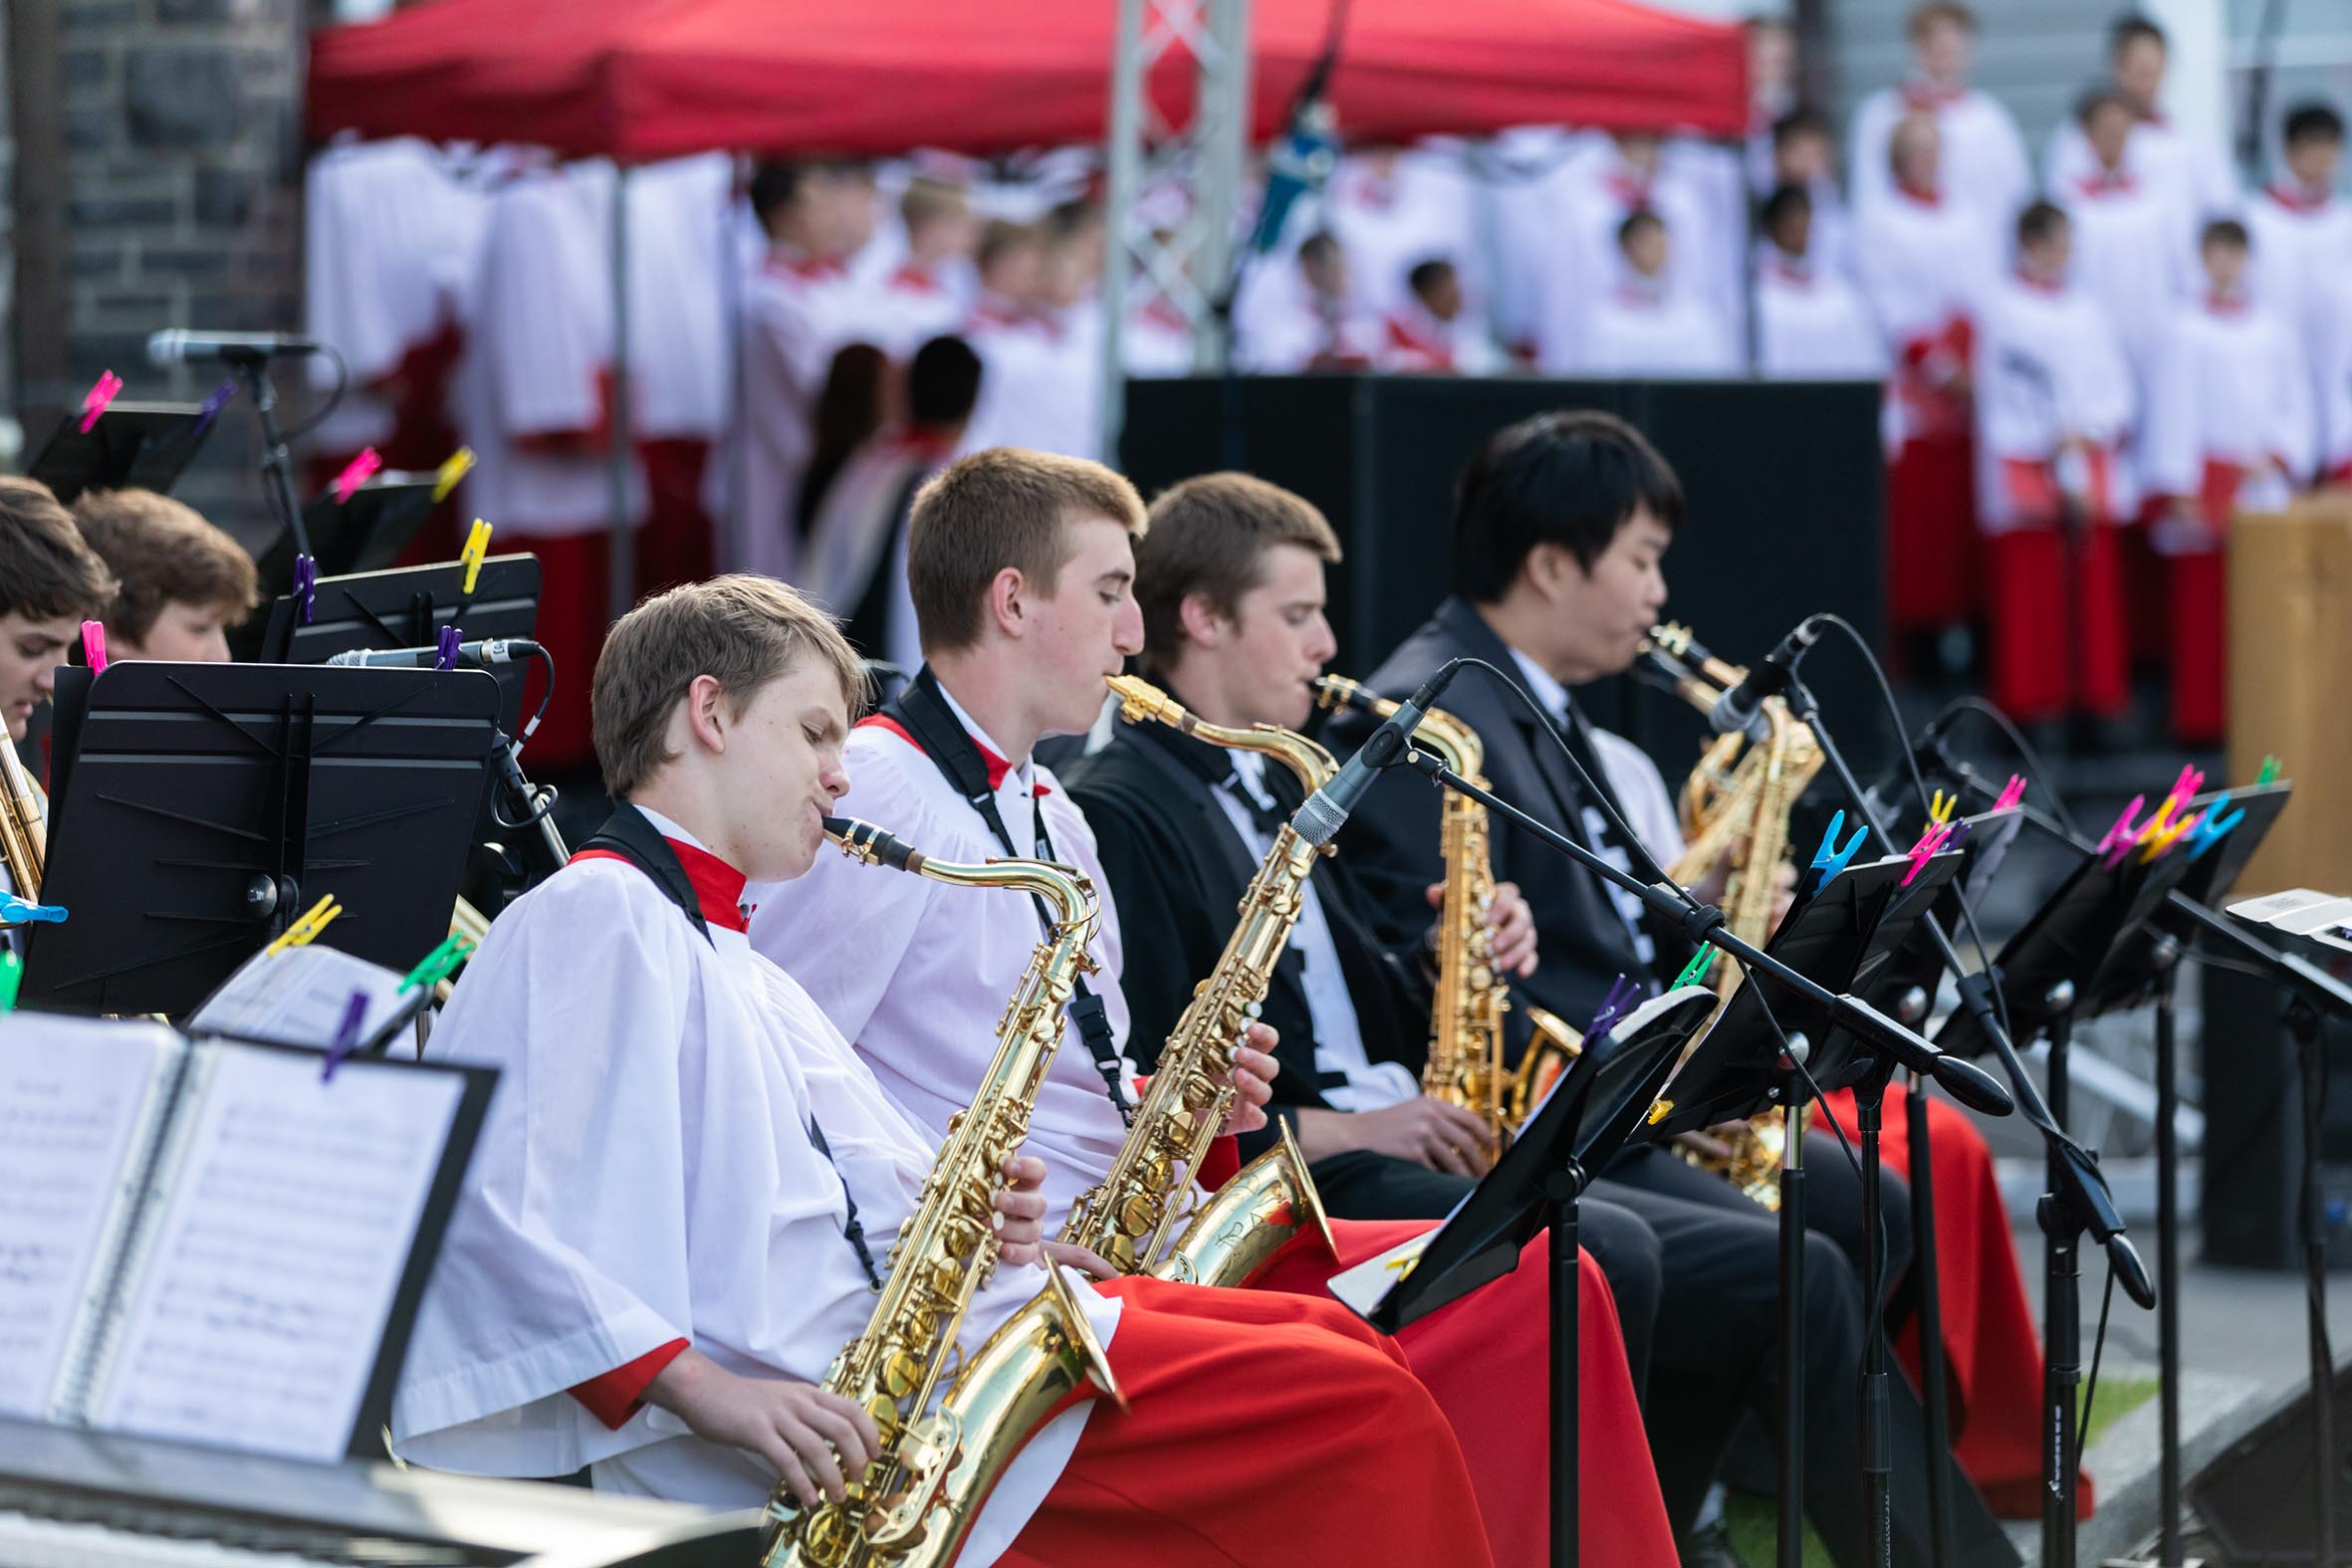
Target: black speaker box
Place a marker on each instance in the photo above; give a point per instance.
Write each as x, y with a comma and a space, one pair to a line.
2256, 1499
2254, 1128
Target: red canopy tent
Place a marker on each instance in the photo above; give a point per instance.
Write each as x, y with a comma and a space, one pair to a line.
640, 80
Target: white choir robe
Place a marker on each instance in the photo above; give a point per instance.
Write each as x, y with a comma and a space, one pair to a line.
647, 1175
2331, 351
1984, 159
1156, 341
903, 965
2194, 172
1388, 224
1588, 198
2231, 394
798, 310
1654, 331
390, 242
2049, 369
1515, 206
1812, 323
679, 367
2302, 252
1040, 381
1283, 326
1927, 265
1412, 340
909, 305
2133, 250
850, 538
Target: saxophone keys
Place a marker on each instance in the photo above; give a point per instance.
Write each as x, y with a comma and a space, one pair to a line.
828, 1537
901, 1374
1139, 1212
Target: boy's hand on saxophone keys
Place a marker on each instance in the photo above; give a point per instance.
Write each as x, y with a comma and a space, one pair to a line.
1253, 1069
811, 1436
1021, 1212
1511, 927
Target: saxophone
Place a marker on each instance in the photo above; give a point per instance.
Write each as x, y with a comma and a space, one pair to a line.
1127, 1217
1738, 811
24, 827
1466, 1065
913, 1505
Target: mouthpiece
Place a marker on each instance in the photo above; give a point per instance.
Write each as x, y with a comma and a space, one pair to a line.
867, 842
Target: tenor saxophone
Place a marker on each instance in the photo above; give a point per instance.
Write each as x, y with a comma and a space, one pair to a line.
913, 1505
1128, 1216
1465, 1065
1735, 812
24, 830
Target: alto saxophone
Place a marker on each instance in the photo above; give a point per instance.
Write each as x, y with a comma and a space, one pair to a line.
1737, 815
913, 1505
24, 825
1128, 1216
1465, 1065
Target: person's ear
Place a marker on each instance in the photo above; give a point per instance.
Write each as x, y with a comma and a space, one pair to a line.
1202, 622
705, 710
1008, 601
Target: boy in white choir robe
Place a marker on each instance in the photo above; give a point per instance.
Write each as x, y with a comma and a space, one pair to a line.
1648, 326
1022, 574
1926, 264
1985, 163
2195, 173
1433, 330
1042, 384
2302, 246
664, 1319
533, 401
2227, 427
1392, 207
1304, 317
1811, 322
800, 307
930, 289
1588, 200
1804, 154
2132, 237
2054, 404
680, 218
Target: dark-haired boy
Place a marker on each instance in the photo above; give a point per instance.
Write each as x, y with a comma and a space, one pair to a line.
51, 582
2191, 170
1654, 322
1810, 318
2302, 250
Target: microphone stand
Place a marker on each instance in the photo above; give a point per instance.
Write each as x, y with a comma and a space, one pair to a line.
2075, 1202
1703, 923
277, 464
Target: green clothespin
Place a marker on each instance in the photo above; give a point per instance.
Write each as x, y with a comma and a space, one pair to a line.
2269, 772
1695, 971
12, 974
437, 964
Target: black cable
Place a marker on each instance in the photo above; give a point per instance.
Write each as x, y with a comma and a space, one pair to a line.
2038, 771
343, 386
2090, 1388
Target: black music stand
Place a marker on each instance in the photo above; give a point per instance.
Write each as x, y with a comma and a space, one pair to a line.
1597, 1108
364, 533
197, 809
144, 446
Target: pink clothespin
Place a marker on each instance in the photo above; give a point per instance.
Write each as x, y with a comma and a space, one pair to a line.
1928, 842
93, 645
2013, 793
100, 393
2191, 781
2124, 833
356, 474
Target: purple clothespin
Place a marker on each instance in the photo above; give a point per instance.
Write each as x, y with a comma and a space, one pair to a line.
1621, 992
305, 589
446, 648
347, 1034
214, 404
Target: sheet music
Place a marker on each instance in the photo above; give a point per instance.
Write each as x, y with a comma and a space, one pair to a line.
73, 1096
254, 1320
1362, 1289
297, 996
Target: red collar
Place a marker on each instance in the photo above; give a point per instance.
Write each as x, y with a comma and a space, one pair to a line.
1628, 187
2152, 117
795, 263
2040, 286
2303, 201
2106, 183
998, 768
1926, 198
718, 886
2226, 303
1783, 270
1927, 96
913, 279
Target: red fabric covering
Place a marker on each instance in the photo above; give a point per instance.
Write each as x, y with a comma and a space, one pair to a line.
1487, 1359
1991, 1353
573, 594
1262, 1431
638, 81
1932, 534
675, 545
613, 1396
1220, 1164
2046, 621
2196, 593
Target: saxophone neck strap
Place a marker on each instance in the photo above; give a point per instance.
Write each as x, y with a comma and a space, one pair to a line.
921, 713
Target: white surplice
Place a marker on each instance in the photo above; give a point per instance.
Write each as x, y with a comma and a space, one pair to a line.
2049, 369
1811, 322
796, 310
1927, 266
2134, 247
2231, 388
647, 1174
1983, 155
1656, 331
2195, 170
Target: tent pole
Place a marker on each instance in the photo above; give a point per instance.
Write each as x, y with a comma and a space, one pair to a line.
622, 578
1127, 67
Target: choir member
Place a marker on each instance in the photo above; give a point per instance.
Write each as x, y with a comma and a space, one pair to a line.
1391, 208
1771, 95
179, 583
1650, 324
1926, 265
1432, 329
1036, 333
1812, 320
1985, 163
1304, 317
680, 243
930, 290
2053, 403
1804, 154
2302, 251
1588, 200
2230, 427
1022, 574
2193, 171
670, 1331
2132, 235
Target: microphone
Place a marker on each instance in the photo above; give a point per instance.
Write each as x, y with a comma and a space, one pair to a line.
1321, 816
488, 650
1741, 707
180, 345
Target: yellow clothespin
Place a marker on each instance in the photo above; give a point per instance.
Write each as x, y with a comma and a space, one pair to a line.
306, 930
477, 545
455, 468
1939, 808
1401, 1266
1659, 1111
2159, 842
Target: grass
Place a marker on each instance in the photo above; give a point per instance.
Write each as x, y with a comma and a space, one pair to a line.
1751, 1519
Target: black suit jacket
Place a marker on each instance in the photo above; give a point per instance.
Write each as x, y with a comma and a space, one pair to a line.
1391, 840
1177, 871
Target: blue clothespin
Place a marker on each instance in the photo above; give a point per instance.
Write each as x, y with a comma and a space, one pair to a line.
1829, 860
446, 654
347, 1034
2214, 827
305, 589
14, 911
1622, 993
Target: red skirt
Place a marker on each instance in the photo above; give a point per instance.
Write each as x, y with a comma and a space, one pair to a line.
1932, 534
1991, 1353
1485, 1359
